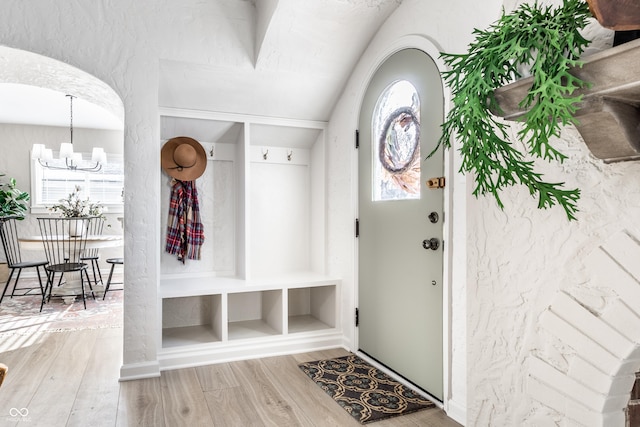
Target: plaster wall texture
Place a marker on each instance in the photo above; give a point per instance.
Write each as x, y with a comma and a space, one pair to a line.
117, 42
123, 44
517, 258
521, 259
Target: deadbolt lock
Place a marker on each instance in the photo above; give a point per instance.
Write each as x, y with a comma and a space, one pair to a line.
437, 182
432, 243
433, 217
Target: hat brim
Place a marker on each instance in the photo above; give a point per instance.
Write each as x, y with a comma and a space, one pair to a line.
171, 168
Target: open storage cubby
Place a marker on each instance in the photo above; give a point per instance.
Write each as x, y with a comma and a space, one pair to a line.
286, 199
311, 309
191, 320
260, 287
220, 194
255, 314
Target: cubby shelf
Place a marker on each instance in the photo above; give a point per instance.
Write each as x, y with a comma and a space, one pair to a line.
261, 286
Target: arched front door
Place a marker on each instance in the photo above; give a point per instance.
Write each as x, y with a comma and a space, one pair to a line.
400, 220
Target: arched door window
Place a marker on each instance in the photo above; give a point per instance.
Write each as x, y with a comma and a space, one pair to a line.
396, 139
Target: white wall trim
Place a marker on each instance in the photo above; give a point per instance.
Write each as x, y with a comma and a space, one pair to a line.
456, 411
137, 371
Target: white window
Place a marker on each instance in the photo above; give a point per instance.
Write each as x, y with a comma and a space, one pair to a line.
106, 186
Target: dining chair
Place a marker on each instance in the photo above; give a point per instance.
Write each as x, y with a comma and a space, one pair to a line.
92, 255
13, 255
65, 242
113, 262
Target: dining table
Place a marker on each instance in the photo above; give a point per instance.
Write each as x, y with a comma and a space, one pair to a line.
72, 286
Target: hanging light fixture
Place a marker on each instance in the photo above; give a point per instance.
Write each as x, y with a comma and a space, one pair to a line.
72, 160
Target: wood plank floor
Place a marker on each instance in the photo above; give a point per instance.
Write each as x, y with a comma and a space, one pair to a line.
71, 379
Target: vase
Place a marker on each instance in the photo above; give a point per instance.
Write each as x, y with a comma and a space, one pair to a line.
76, 227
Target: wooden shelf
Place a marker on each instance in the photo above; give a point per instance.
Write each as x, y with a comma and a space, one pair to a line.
306, 323
188, 335
247, 329
609, 114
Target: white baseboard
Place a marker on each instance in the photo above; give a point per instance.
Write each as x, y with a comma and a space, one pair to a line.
457, 412
137, 371
229, 351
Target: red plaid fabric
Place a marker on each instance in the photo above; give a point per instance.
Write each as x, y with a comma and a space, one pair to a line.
185, 234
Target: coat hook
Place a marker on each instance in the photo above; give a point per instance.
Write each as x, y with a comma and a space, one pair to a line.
265, 154
212, 151
289, 154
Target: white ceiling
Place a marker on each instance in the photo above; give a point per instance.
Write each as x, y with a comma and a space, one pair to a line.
25, 104
279, 58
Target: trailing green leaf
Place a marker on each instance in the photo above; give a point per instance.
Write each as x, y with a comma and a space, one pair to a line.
547, 39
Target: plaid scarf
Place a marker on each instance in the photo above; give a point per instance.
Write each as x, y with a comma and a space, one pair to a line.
185, 235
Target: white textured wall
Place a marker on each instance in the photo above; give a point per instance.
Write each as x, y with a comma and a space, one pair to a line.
521, 258
517, 258
116, 42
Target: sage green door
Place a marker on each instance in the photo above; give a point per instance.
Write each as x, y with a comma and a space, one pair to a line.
400, 220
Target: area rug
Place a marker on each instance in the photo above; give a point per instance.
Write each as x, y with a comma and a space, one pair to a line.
21, 314
364, 391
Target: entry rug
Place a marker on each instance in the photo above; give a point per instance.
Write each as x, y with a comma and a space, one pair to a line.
21, 315
365, 392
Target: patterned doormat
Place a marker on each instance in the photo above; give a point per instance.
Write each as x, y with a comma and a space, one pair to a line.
365, 392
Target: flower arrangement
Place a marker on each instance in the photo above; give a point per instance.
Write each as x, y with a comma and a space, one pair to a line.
75, 207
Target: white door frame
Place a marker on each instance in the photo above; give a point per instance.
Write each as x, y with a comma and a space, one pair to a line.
427, 46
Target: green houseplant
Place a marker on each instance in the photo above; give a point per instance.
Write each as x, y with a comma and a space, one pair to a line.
13, 201
548, 41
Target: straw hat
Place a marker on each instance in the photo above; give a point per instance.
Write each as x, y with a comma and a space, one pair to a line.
183, 158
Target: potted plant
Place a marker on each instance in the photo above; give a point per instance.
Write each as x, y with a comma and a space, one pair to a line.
13, 204
547, 40
13, 201
74, 206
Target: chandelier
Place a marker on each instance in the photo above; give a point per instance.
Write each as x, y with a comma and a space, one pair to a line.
73, 161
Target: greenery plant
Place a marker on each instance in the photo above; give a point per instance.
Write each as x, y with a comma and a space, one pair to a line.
73, 206
13, 201
549, 41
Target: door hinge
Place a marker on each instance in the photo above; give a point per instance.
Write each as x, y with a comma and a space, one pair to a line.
357, 227
357, 139
357, 317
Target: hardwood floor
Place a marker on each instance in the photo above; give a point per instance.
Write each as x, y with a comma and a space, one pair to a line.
71, 379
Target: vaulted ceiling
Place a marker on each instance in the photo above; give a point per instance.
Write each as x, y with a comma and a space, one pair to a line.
282, 58
279, 58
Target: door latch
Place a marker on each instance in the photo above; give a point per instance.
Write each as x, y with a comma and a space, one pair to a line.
432, 243
435, 183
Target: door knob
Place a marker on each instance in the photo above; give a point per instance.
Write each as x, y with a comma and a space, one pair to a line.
432, 243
